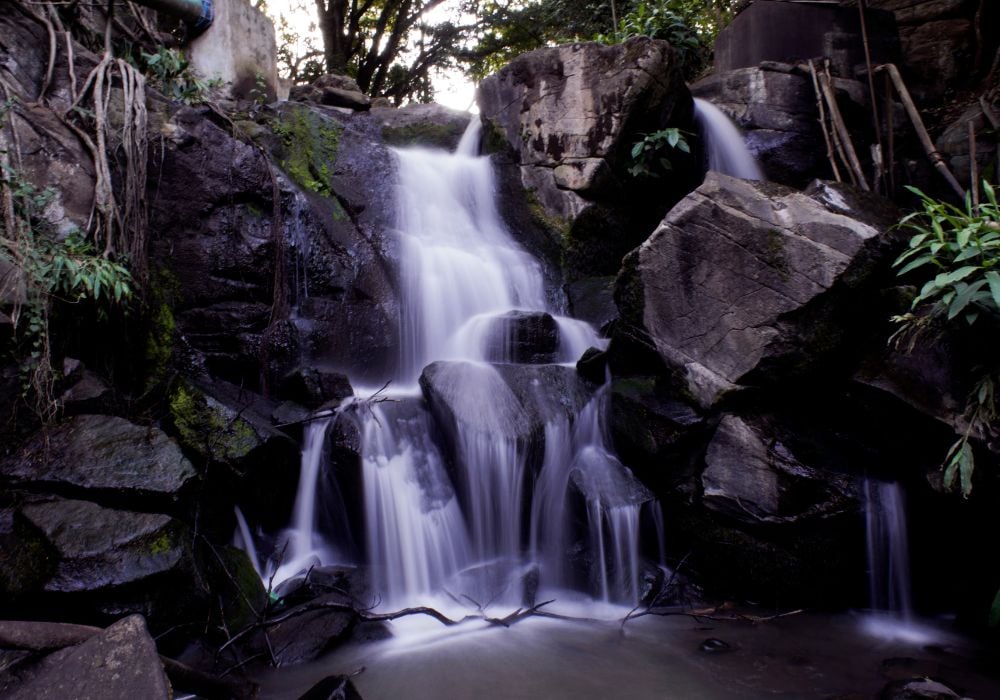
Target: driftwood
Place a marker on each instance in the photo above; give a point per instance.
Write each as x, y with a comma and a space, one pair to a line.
925, 140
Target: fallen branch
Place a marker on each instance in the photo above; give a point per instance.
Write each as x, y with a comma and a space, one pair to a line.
840, 129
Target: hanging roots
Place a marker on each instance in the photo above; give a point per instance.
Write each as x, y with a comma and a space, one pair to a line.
118, 223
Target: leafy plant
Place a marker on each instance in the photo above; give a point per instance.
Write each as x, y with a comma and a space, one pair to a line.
175, 78
961, 248
649, 155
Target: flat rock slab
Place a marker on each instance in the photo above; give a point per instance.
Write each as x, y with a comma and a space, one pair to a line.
120, 663
102, 453
99, 548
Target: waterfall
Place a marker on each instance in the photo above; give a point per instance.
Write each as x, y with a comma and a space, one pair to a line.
888, 548
483, 512
725, 146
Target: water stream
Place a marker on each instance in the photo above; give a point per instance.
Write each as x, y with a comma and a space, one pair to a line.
725, 147
496, 509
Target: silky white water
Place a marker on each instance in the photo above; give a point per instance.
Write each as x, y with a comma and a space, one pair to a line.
480, 515
725, 146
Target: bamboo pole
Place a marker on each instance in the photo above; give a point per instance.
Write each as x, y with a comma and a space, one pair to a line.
918, 125
973, 166
840, 129
876, 122
822, 123
890, 137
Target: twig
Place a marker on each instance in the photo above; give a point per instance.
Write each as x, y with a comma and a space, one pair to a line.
879, 172
840, 128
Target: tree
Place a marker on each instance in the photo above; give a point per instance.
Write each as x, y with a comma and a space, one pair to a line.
386, 45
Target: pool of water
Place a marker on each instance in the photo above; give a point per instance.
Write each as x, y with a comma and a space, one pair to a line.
800, 656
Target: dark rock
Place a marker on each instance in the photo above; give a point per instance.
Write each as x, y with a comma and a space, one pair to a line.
650, 430
749, 283
104, 456
349, 581
714, 646
120, 662
314, 386
307, 636
332, 688
351, 99
89, 394
98, 548
592, 299
753, 478
522, 337
27, 561
288, 413
598, 477
429, 125
593, 365
917, 689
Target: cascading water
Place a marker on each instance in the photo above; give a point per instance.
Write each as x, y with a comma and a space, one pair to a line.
491, 512
888, 548
725, 146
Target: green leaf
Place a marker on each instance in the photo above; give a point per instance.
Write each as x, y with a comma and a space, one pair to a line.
967, 464
914, 264
993, 278
963, 297
995, 608
946, 278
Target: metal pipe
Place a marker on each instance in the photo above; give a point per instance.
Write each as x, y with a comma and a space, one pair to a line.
198, 13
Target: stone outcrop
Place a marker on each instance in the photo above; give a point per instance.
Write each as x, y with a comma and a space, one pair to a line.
523, 337
105, 457
570, 116
429, 125
119, 662
745, 283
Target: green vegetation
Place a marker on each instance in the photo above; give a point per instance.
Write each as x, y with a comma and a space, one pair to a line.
309, 148
659, 20
172, 75
960, 247
649, 155
44, 269
207, 427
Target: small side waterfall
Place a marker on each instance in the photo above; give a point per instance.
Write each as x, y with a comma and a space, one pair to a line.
725, 146
888, 549
496, 508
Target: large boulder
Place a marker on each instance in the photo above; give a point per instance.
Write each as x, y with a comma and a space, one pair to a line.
120, 662
105, 457
428, 125
570, 115
98, 548
746, 283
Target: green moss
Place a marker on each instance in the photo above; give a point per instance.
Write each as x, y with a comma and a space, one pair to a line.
538, 213
207, 427
309, 146
494, 138
160, 327
776, 253
161, 544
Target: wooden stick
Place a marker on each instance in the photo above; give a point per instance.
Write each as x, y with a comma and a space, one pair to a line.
890, 127
879, 168
973, 166
822, 124
840, 128
918, 124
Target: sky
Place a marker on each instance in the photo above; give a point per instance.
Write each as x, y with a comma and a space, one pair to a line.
451, 88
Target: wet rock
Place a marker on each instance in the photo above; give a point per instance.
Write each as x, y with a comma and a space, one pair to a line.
599, 478
429, 125
649, 429
97, 548
749, 283
27, 561
592, 299
349, 581
522, 337
753, 478
917, 689
714, 646
307, 636
593, 365
314, 386
332, 688
88, 394
120, 662
104, 456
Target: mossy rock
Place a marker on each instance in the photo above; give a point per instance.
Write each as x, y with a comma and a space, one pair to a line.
26, 560
422, 134
231, 576
210, 428
308, 147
